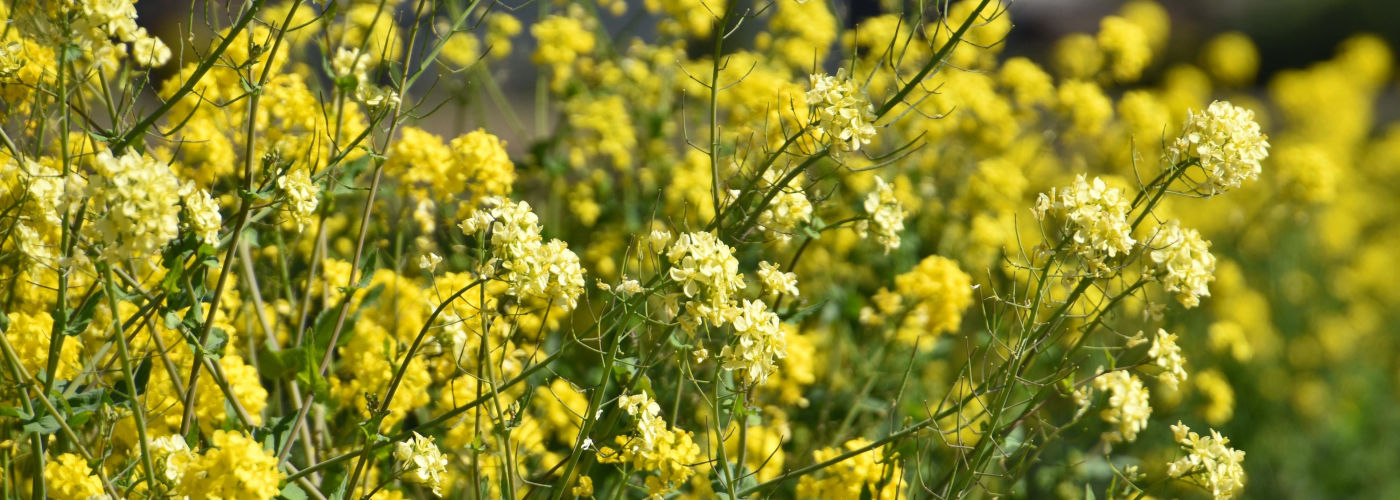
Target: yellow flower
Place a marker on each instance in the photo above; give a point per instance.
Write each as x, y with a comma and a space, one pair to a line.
237, 467
69, 478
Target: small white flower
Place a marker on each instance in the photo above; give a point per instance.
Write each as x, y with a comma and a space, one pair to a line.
429, 261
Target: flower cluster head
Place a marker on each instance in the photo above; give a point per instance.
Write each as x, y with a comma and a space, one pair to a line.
775, 281
886, 216
202, 214
1166, 354
931, 297
1096, 216
172, 458
788, 210
548, 271
138, 198
236, 467
844, 110
760, 343
1183, 262
98, 22
648, 416
872, 474
300, 194
708, 274
352, 67
69, 478
1128, 405
1225, 141
421, 462
1209, 462
669, 452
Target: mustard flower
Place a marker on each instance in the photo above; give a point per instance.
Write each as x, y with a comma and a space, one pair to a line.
420, 462
1128, 405
548, 271
138, 198
69, 478
1183, 263
1126, 46
844, 112
1209, 462
301, 196
202, 214
708, 274
1166, 354
1225, 141
236, 467
788, 210
886, 216
656, 447
759, 344
775, 281
1095, 216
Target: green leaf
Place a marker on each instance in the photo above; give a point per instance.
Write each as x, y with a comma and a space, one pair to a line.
292, 492
275, 434
78, 320
279, 365
367, 268
214, 346
44, 425
14, 412
72, 52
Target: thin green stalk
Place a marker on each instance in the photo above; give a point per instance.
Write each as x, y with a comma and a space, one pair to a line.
137, 411
209, 61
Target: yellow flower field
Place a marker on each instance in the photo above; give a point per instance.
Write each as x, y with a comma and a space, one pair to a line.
686, 249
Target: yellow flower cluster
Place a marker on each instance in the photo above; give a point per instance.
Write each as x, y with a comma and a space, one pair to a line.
420, 462
562, 40
69, 478
759, 343
927, 301
875, 473
301, 196
886, 216
789, 209
202, 214
236, 467
548, 271
1166, 354
775, 281
708, 275
844, 112
1128, 405
1209, 462
1183, 262
139, 200
667, 452
1095, 217
1225, 141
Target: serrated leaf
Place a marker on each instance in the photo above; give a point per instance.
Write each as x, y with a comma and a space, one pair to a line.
44, 425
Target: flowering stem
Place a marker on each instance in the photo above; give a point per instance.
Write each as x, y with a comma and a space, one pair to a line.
802, 471
244, 205
720, 27
934, 62
594, 407
137, 412
209, 61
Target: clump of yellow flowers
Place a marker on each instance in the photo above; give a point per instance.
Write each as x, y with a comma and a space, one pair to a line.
370, 249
